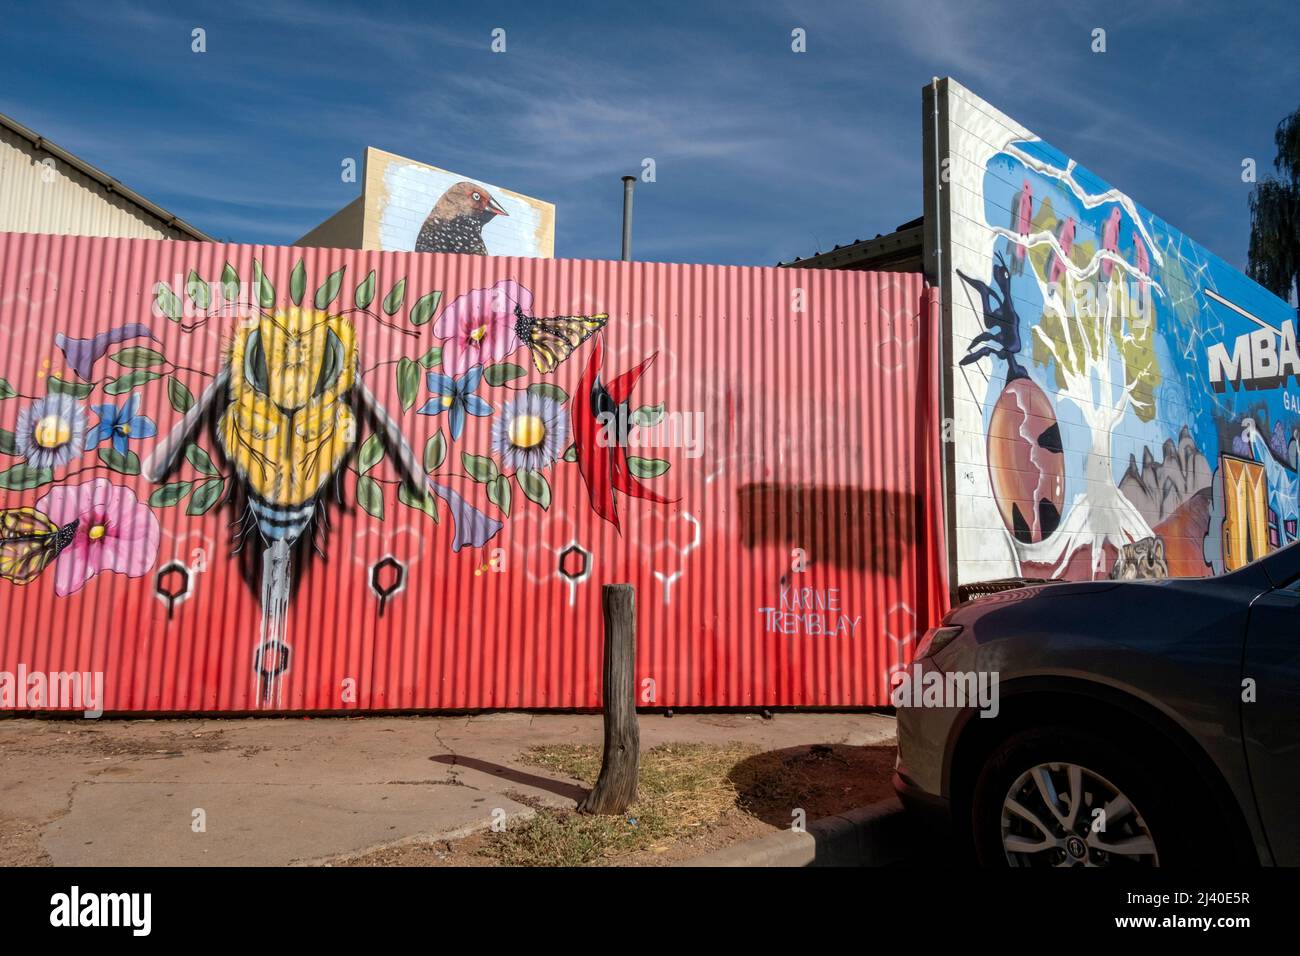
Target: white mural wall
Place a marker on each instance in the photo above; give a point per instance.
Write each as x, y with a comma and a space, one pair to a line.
1107, 421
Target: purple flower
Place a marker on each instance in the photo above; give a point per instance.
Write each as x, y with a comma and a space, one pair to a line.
82, 354
121, 425
473, 527
456, 397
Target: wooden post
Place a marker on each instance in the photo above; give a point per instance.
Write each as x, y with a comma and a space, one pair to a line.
615, 788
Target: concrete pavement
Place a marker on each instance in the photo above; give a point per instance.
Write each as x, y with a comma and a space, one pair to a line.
282, 791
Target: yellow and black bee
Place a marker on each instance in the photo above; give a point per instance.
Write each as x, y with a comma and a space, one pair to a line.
29, 541
553, 340
289, 394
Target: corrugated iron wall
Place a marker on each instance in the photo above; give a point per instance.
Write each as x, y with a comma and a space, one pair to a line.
796, 558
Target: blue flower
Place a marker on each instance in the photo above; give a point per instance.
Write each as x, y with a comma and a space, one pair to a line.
456, 397
121, 425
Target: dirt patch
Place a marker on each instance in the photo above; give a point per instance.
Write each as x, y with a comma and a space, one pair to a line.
693, 799
20, 843
821, 780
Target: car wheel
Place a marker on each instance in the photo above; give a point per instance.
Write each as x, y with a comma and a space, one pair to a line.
1062, 797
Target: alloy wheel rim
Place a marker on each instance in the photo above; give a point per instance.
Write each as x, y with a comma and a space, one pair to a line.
1063, 814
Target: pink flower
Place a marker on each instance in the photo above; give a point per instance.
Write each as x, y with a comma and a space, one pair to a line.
479, 327
115, 532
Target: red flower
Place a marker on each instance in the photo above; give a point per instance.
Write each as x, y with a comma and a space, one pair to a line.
598, 411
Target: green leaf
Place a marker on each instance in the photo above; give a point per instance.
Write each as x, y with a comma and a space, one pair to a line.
329, 290
179, 395
571, 453
502, 373
366, 291
167, 303
198, 291
22, 477
205, 495
428, 504
547, 390
408, 382
479, 468
123, 463
647, 416
435, 451
536, 487
200, 459
370, 496
8, 446
499, 493
57, 386
424, 307
124, 383
372, 452
396, 296
137, 356
8, 391
265, 291
297, 282
646, 467
432, 357
229, 283
168, 495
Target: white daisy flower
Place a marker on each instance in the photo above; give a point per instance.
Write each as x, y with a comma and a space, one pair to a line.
530, 433
51, 431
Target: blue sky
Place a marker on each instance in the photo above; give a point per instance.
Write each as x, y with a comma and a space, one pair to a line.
762, 154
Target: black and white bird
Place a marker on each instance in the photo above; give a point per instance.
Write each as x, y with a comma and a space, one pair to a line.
457, 220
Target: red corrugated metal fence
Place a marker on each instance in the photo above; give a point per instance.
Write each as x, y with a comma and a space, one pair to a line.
787, 421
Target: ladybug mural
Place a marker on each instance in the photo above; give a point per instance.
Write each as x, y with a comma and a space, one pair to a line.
1026, 464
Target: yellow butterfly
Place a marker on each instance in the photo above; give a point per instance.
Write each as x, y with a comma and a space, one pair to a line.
553, 340
29, 541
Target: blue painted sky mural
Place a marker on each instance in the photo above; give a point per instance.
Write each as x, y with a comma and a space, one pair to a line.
1158, 372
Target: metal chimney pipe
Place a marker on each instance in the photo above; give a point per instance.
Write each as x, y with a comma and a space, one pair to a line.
628, 183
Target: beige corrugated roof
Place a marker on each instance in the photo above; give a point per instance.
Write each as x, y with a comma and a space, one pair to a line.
105, 180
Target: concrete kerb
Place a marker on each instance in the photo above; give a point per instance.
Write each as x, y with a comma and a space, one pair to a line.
878, 834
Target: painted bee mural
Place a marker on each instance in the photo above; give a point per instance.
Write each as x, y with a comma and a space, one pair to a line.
286, 432
289, 395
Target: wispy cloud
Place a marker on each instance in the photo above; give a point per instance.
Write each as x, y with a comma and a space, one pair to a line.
760, 153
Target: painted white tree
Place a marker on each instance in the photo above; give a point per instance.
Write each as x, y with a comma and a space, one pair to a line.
1097, 336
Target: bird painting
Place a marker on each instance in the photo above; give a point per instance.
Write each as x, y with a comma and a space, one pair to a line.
457, 220
1022, 214
1064, 236
1110, 238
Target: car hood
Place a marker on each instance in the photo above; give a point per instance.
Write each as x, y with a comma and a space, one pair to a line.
1029, 592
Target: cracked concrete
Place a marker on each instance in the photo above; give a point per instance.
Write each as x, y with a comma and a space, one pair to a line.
277, 791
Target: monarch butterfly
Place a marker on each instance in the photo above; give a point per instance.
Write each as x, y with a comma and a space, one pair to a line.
29, 541
553, 340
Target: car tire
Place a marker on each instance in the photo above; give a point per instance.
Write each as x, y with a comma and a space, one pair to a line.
1012, 823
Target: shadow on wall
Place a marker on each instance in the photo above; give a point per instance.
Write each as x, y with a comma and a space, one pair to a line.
859, 528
